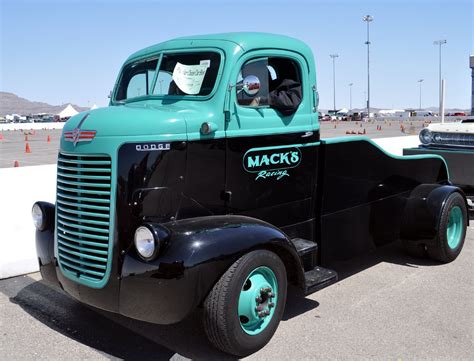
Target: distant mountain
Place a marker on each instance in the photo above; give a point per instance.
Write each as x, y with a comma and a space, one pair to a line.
13, 104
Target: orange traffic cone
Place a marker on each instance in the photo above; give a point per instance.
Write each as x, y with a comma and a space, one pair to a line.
16, 164
27, 148
49, 138
26, 137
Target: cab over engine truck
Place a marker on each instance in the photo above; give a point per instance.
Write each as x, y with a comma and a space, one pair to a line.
193, 188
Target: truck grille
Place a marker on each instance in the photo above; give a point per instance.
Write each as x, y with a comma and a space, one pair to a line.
83, 215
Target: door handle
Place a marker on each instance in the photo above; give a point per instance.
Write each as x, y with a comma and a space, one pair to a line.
307, 134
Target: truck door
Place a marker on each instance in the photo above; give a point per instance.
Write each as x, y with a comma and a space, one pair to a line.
271, 156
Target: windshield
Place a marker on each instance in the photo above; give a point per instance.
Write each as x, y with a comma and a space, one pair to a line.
179, 74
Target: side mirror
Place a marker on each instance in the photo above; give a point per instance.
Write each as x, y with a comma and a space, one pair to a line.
110, 95
250, 85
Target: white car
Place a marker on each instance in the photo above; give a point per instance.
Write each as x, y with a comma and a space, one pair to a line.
455, 143
450, 136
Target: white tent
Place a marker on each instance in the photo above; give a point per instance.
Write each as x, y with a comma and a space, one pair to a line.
94, 107
68, 112
343, 111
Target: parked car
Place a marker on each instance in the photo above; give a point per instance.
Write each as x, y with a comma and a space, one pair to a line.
455, 143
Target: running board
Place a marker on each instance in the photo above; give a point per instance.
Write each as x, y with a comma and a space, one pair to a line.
319, 278
307, 251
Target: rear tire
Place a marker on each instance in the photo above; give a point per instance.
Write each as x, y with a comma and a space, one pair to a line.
451, 230
244, 308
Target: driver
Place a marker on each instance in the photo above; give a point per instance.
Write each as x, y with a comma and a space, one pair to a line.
285, 98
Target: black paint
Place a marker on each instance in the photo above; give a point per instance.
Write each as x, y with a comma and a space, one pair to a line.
347, 197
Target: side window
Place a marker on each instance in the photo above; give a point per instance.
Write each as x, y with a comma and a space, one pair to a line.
280, 84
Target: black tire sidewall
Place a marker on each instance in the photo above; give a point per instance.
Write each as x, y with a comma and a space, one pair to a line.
243, 343
445, 252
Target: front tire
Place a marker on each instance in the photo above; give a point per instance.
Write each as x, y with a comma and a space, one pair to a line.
451, 230
244, 308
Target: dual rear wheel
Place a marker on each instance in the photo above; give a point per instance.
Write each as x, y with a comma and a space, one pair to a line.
451, 233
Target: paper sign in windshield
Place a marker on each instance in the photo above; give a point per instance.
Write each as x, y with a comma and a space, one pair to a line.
189, 78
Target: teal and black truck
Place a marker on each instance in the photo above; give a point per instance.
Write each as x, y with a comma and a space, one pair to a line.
205, 184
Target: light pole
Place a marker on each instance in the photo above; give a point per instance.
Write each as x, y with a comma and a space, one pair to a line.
420, 81
161, 87
368, 19
334, 56
350, 96
440, 42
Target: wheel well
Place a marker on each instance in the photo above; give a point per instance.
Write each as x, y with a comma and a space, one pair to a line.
292, 263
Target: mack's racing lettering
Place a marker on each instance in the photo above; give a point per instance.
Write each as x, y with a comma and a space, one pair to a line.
271, 162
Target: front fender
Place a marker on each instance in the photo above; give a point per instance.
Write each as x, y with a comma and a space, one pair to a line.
196, 254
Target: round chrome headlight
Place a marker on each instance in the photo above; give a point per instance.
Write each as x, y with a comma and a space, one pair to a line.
146, 243
38, 217
425, 136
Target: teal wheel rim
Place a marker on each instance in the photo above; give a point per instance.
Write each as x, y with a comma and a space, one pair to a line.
257, 300
455, 227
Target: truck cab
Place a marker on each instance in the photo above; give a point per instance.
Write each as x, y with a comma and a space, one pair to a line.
205, 184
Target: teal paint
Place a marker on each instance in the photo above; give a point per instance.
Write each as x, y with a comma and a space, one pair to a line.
94, 148
249, 121
258, 300
235, 49
287, 158
455, 227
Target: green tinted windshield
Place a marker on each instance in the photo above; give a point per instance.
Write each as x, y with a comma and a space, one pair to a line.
179, 74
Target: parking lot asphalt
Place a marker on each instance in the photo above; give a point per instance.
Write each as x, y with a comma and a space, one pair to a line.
387, 306
13, 143
13, 147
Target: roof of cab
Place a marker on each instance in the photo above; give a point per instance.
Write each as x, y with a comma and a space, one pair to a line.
246, 40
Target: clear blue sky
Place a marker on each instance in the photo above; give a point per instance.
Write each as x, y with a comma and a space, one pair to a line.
71, 51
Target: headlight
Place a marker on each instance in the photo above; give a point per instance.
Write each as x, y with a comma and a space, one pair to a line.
39, 218
425, 136
146, 243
